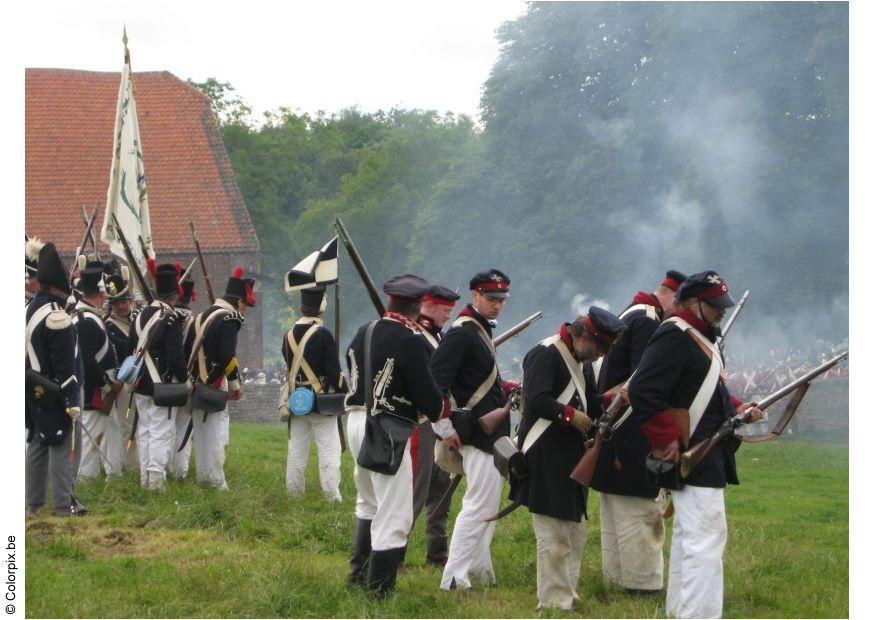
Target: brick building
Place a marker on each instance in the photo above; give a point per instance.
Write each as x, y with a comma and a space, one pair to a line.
69, 118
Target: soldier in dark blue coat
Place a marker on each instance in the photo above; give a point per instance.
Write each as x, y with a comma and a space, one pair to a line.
632, 530
53, 393
465, 368
99, 361
560, 400
310, 347
679, 399
215, 363
182, 442
164, 363
120, 420
402, 386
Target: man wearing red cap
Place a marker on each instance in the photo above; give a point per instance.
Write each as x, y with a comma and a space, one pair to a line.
465, 368
630, 510
396, 381
560, 402
679, 399
430, 483
213, 360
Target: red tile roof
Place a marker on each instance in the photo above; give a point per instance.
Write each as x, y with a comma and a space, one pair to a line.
69, 119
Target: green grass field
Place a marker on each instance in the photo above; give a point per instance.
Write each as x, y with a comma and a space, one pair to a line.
254, 552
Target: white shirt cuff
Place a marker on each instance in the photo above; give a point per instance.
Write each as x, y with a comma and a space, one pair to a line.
443, 428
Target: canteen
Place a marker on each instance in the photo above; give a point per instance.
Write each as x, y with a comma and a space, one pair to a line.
301, 401
129, 372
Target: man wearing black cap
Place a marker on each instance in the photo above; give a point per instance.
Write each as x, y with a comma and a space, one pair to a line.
179, 463
50, 409
560, 401
402, 386
99, 360
429, 482
164, 363
465, 368
119, 423
214, 362
632, 530
679, 399
310, 349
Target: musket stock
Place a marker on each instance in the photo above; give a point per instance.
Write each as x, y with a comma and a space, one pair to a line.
585, 468
359, 266
492, 421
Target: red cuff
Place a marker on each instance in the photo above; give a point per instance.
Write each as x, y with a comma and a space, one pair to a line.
566, 415
735, 402
661, 430
509, 386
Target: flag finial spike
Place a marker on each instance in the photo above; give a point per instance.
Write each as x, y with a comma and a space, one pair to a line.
125, 43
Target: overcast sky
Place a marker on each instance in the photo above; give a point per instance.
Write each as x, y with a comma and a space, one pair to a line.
304, 55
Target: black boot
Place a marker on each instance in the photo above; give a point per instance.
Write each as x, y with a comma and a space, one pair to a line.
401, 555
382, 569
436, 550
361, 551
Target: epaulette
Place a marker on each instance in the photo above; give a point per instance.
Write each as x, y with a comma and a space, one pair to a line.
58, 320
235, 316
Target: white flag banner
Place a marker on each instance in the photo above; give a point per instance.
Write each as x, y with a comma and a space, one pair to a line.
126, 197
317, 268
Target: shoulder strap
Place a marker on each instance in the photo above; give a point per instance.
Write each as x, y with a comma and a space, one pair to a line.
484, 387
298, 361
706, 390
369, 368
39, 315
197, 349
431, 339
649, 310
574, 368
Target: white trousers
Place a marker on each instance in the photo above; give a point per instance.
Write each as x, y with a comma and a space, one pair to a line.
118, 430
695, 568
632, 535
560, 546
210, 437
324, 429
180, 460
469, 556
155, 433
95, 423
387, 501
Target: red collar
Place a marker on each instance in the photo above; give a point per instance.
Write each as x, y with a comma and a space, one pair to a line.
692, 319
565, 335
647, 298
471, 312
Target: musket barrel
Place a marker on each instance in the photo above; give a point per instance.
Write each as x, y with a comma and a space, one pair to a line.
131, 260
360, 266
513, 331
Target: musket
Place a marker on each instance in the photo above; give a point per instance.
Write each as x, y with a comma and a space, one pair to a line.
605, 426
692, 457
187, 272
516, 329
81, 248
722, 337
200, 257
145, 252
132, 263
491, 422
93, 235
359, 266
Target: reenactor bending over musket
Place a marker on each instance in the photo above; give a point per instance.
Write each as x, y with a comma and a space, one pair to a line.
53, 401
310, 349
560, 401
391, 384
679, 399
630, 510
465, 368
99, 361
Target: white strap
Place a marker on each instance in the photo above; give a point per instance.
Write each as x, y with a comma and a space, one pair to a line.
431, 339
706, 390
144, 330
39, 315
197, 348
89, 314
577, 384
298, 361
484, 388
648, 309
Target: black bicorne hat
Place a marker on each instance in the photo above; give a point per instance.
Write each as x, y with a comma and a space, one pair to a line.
50, 269
240, 287
166, 280
90, 276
